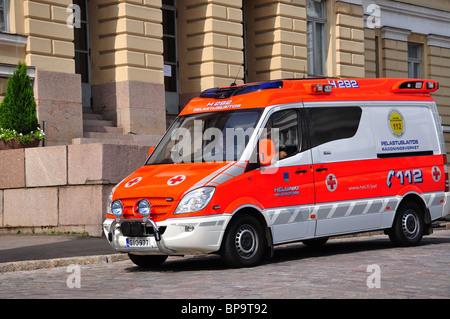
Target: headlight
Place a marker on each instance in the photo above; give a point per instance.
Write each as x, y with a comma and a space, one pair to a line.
144, 207
117, 208
195, 200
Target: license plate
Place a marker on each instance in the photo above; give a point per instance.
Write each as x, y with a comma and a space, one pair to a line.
138, 242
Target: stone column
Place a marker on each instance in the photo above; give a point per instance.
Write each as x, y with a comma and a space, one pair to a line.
211, 45
276, 40
349, 40
58, 103
439, 70
395, 52
50, 50
127, 64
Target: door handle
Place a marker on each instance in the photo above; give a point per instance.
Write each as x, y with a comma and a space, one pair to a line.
301, 171
321, 169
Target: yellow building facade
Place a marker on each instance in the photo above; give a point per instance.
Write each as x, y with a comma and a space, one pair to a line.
136, 63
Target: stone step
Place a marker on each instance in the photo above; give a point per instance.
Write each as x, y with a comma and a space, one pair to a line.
147, 140
92, 116
84, 140
120, 139
114, 136
102, 129
98, 123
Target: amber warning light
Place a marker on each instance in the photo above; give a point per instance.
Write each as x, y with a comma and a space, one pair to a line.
319, 88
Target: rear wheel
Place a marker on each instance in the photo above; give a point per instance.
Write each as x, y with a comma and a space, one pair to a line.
408, 226
243, 243
148, 261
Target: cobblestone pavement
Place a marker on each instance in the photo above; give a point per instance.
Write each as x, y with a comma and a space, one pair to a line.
343, 268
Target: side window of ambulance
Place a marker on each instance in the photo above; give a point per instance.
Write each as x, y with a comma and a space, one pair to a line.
328, 124
282, 127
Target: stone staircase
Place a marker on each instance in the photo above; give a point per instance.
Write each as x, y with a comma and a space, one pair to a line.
98, 130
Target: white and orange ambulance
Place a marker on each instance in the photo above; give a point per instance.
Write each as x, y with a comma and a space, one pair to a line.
247, 167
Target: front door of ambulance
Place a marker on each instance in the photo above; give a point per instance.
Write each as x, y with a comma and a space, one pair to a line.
286, 187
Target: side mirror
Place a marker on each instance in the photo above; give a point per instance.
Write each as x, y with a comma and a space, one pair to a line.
150, 151
266, 152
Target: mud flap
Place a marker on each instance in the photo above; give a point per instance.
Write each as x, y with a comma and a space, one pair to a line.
269, 244
428, 227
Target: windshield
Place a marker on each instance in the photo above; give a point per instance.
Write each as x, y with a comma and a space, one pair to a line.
206, 137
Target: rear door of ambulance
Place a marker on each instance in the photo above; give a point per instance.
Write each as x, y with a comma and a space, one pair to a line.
411, 151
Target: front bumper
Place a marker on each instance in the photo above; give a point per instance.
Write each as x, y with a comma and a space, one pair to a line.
190, 235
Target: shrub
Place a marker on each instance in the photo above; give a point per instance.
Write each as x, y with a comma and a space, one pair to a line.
18, 117
18, 108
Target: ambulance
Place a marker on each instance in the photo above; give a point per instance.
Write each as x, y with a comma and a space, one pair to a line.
247, 167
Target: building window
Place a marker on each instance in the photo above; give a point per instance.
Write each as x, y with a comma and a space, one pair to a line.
82, 52
3, 85
4, 9
170, 54
414, 60
316, 33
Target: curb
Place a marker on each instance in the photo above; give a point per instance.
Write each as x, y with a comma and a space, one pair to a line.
60, 262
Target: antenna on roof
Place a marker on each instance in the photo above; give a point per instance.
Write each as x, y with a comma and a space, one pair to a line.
234, 82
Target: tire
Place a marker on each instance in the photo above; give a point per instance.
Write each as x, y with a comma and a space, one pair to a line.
315, 242
408, 226
148, 261
243, 243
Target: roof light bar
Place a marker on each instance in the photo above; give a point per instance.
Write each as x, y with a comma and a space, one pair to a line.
226, 92
415, 86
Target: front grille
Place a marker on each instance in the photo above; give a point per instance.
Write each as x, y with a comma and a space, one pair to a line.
160, 208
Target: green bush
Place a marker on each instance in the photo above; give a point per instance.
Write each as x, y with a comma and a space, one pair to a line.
18, 108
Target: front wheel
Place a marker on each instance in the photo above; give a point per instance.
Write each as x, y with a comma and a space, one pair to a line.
147, 261
243, 243
408, 226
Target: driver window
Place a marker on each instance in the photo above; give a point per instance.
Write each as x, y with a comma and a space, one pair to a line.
282, 129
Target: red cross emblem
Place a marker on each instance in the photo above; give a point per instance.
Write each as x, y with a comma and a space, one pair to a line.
331, 182
436, 172
176, 180
133, 181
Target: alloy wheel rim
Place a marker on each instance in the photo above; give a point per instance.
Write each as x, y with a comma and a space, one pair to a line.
246, 241
410, 224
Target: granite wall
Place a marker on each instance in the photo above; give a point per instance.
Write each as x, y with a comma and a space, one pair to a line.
62, 188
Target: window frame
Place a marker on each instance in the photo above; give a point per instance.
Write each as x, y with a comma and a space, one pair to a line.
169, 60
5, 12
412, 62
313, 68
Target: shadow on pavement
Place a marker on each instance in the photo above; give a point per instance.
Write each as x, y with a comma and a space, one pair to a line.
283, 253
82, 246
